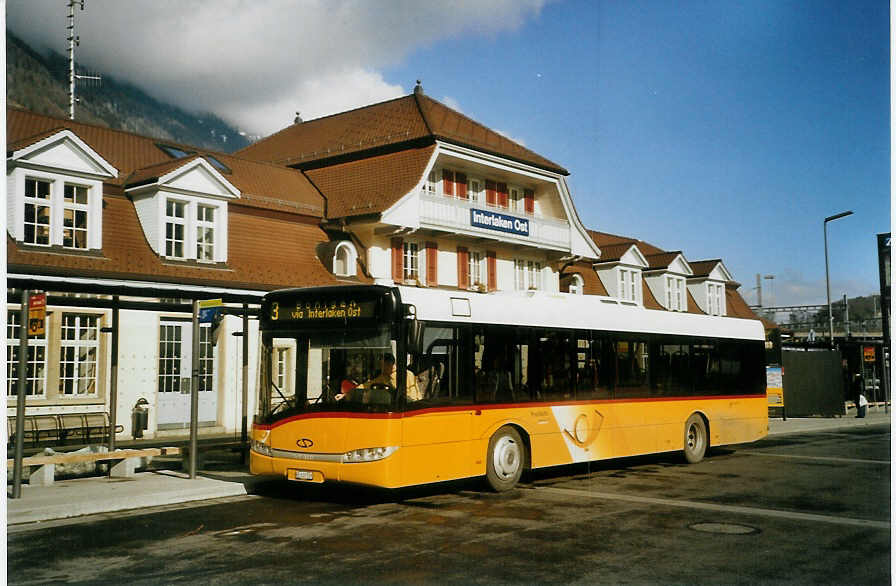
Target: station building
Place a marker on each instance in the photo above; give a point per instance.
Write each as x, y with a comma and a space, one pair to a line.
123, 228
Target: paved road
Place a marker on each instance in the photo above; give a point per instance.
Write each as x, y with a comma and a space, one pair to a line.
810, 508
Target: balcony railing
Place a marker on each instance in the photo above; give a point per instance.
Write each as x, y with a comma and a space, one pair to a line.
449, 213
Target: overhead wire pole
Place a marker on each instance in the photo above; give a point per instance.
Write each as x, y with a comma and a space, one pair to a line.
194, 393
73, 41
244, 436
20, 397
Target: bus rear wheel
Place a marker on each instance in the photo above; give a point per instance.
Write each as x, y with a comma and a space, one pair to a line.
505, 460
695, 439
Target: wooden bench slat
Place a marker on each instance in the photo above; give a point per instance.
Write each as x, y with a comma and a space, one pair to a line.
72, 458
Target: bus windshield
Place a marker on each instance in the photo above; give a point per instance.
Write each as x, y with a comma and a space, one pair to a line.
346, 370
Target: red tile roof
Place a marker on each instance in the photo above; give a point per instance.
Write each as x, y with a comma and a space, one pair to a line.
259, 257
661, 260
139, 159
410, 121
603, 239
735, 306
370, 185
702, 268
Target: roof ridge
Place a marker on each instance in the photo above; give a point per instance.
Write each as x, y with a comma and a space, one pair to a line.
488, 128
67, 122
314, 120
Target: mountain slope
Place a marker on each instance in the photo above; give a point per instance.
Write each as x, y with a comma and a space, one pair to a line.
40, 83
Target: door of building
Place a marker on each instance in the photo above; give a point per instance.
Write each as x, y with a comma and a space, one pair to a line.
174, 382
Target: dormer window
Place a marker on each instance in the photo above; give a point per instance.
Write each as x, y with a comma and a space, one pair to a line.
675, 294
37, 211
184, 212
577, 285
715, 295
55, 193
57, 213
628, 281
190, 228
344, 259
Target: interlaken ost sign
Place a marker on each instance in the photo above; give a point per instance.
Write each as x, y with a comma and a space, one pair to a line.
498, 221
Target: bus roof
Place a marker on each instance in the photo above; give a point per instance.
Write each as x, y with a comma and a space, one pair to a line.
564, 310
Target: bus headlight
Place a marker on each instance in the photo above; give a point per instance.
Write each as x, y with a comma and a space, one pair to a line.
368, 454
261, 448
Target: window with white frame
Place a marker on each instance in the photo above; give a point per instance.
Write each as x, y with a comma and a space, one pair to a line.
38, 210
519, 274
36, 367
577, 285
534, 273
675, 294
411, 261
474, 269
175, 228
429, 186
344, 259
628, 279
282, 355
57, 213
474, 190
527, 274
74, 216
79, 346
517, 203
205, 233
192, 229
714, 296
206, 359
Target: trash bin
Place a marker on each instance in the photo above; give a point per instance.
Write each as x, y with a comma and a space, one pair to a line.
140, 418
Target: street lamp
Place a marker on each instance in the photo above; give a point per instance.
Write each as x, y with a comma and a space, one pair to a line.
827, 278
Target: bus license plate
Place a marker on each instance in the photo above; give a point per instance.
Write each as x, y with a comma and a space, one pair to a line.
304, 475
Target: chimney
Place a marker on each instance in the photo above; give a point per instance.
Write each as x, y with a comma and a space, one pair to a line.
418, 89
298, 119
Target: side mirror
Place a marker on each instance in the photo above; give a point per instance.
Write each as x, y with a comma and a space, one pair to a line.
415, 331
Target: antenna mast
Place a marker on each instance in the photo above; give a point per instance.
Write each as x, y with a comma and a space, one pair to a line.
74, 40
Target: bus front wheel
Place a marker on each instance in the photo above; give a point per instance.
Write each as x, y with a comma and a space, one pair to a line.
506, 458
695, 439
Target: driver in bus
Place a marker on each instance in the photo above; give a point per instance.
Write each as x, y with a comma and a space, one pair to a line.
388, 378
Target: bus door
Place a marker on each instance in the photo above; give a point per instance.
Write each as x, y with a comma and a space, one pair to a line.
437, 425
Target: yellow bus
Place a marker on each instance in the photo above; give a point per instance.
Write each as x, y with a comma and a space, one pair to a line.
401, 386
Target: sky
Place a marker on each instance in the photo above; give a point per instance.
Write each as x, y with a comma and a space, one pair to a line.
725, 129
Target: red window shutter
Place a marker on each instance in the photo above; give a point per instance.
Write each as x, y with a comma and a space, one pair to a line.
463, 261
432, 264
397, 260
529, 199
461, 185
491, 262
447, 182
491, 196
503, 198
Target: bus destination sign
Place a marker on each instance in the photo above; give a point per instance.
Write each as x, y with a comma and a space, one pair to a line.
323, 311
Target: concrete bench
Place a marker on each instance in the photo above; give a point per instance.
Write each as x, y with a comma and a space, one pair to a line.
126, 462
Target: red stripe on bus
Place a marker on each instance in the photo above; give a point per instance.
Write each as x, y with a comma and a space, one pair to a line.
492, 406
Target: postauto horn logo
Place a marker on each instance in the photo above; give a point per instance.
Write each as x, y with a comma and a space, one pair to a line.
304, 443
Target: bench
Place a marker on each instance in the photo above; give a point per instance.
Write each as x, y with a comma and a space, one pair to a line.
126, 462
64, 428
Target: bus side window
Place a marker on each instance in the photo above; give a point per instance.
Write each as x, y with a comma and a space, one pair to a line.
592, 369
556, 375
439, 368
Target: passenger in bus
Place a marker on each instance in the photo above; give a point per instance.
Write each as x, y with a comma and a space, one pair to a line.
495, 383
386, 377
